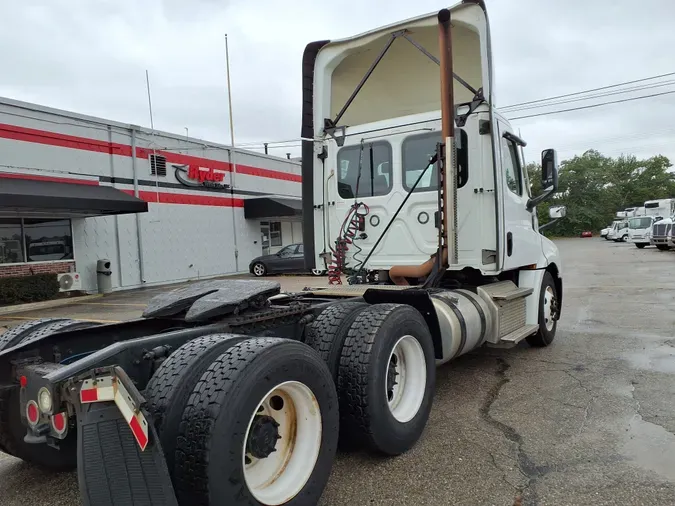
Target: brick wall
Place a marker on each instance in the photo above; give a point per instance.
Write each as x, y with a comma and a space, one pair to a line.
36, 268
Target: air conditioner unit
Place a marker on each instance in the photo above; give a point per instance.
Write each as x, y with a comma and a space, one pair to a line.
69, 281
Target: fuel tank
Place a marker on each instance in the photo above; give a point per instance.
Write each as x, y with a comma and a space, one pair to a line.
465, 322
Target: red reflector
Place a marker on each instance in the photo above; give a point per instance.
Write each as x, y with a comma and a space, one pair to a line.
32, 412
24, 381
59, 422
90, 395
138, 432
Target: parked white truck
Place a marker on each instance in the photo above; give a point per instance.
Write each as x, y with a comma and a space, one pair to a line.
618, 231
229, 392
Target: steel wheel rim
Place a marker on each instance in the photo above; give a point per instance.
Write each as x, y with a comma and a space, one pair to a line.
405, 396
317, 272
277, 478
549, 297
258, 269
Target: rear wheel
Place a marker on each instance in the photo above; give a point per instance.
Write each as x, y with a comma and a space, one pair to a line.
170, 387
548, 313
12, 430
259, 269
328, 332
386, 379
260, 428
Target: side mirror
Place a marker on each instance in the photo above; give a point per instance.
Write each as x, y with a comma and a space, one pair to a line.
549, 178
549, 169
555, 213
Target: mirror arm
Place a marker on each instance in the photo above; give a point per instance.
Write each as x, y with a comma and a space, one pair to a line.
532, 203
549, 224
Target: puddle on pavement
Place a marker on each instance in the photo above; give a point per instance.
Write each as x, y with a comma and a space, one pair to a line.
651, 447
659, 359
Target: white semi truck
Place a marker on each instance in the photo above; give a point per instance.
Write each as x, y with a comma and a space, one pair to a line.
230, 392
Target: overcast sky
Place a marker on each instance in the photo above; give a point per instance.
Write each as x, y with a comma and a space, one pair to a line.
90, 56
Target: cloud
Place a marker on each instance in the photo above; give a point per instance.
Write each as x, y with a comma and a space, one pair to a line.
91, 57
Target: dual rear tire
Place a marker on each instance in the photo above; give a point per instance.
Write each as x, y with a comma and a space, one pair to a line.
382, 361
246, 421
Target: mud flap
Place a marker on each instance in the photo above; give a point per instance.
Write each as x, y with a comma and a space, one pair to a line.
112, 470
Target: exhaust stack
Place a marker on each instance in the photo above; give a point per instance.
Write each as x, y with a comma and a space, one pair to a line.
448, 225
449, 230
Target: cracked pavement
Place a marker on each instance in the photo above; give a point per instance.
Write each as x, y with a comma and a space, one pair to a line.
590, 420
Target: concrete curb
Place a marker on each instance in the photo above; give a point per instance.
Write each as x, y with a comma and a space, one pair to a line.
20, 308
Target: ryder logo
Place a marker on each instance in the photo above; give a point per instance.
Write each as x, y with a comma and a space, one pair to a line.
200, 177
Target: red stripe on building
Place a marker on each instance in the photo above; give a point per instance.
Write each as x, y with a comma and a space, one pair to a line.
255, 171
51, 179
182, 198
18, 133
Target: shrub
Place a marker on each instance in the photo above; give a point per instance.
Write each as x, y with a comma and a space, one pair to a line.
35, 288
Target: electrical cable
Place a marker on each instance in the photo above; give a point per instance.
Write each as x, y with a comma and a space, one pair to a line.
590, 90
591, 106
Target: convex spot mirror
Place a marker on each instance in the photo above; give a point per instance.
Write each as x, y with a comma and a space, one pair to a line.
557, 212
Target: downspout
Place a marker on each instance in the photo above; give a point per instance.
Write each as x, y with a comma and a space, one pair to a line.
139, 234
118, 255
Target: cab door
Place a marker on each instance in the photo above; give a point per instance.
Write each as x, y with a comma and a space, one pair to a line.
522, 242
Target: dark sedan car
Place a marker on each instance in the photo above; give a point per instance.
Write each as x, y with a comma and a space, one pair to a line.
290, 259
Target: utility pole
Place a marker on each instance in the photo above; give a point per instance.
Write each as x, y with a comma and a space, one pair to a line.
232, 155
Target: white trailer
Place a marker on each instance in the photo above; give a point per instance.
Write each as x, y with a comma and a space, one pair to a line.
660, 207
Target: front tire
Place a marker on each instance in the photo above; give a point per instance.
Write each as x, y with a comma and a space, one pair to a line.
386, 379
663, 247
640, 245
259, 269
260, 428
548, 313
624, 238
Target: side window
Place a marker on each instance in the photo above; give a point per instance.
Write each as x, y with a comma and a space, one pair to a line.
300, 250
417, 149
511, 165
373, 181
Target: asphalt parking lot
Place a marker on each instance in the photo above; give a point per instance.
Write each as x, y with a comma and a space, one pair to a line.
589, 420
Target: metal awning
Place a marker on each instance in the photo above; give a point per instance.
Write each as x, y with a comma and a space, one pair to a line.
27, 197
272, 207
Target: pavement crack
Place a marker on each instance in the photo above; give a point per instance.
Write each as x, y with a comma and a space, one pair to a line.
526, 466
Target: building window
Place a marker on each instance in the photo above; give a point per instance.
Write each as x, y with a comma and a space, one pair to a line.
275, 233
11, 243
355, 161
157, 165
35, 240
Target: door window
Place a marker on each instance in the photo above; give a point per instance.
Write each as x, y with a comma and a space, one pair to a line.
355, 161
511, 164
300, 250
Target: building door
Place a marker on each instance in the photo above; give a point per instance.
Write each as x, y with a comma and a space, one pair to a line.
265, 237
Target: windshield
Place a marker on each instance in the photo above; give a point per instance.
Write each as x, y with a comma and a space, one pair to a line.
640, 223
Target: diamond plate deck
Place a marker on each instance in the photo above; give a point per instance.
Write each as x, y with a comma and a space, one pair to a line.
210, 299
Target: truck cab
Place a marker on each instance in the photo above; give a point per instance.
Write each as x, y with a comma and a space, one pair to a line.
373, 138
619, 230
661, 234
640, 229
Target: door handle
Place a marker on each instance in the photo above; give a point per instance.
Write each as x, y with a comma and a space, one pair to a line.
509, 243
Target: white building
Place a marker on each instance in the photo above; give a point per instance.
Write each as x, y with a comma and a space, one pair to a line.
161, 207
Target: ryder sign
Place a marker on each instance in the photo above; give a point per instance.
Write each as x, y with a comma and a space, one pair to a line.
196, 176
